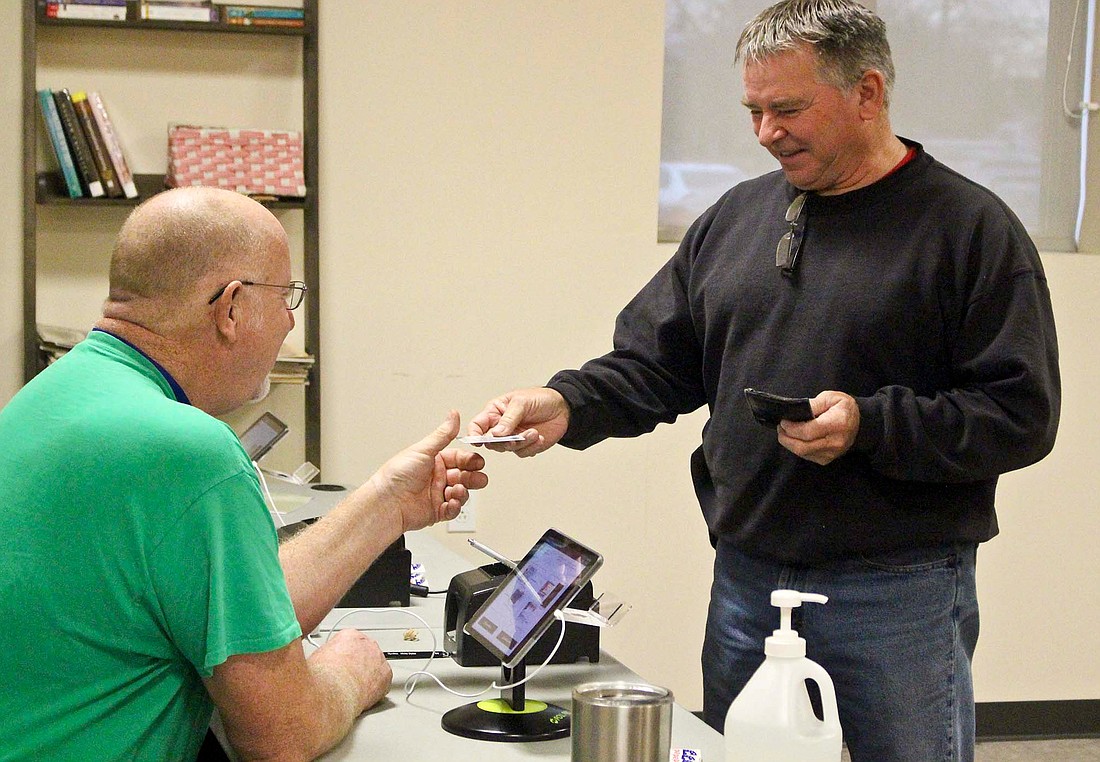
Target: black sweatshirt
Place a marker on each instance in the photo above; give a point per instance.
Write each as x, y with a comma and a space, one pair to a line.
921, 295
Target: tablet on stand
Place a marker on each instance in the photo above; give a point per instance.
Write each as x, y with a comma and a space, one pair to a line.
508, 624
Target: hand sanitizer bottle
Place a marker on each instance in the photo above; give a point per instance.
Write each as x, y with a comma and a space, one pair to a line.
772, 720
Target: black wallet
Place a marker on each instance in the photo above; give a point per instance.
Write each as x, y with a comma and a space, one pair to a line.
770, 409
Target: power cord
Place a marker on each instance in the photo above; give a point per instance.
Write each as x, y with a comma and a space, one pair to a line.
267, 495
412, 680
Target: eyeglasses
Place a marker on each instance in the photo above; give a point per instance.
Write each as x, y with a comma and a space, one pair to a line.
786, 252
295, 292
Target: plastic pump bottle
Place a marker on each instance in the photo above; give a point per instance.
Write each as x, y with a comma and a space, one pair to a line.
772, 720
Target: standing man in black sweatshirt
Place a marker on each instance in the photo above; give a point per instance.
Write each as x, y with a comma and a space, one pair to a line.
909, 304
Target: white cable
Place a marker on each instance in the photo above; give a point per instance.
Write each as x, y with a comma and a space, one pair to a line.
267, 495
1087, 106
335, 625
415, 676
1069, 63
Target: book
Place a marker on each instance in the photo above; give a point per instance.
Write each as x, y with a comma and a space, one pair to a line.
189, 12
98, 12
100, 156
59, 143
55, 340
245, 21
114, 146
263, 3
117, 3
292, 365
78, 144
256, 12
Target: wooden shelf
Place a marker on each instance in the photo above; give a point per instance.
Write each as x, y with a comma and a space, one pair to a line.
43, 185
133, 22
50, 191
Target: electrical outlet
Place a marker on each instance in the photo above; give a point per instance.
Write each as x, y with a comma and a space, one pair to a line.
466, 520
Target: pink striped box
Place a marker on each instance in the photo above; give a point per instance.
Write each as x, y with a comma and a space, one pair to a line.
256, 162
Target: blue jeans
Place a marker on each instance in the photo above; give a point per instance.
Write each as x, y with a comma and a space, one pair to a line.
897, 638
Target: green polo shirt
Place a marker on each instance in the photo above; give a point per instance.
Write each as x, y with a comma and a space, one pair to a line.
136, 554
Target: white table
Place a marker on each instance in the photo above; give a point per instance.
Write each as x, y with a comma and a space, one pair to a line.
401, 728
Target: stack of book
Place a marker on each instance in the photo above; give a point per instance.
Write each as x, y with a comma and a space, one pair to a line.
98, 10
292, 367
86, 145
287, 13
56, 340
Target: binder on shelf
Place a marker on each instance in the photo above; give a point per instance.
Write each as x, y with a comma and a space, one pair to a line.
78, 144
98, 147
59, 143
114, 147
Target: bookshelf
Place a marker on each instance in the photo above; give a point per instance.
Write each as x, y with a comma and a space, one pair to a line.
131, 58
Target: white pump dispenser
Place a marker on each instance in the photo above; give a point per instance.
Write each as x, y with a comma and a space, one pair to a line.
772, 720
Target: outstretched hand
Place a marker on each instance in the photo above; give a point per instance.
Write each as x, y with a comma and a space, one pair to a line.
426, 483
540, 415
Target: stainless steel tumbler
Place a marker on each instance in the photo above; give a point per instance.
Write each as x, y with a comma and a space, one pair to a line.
621, 722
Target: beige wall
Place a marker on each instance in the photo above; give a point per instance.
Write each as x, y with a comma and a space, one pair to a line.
489, 195
11, 203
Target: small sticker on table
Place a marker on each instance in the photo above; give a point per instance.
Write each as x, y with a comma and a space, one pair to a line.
685, 755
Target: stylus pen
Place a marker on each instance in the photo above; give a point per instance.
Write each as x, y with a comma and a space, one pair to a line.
493, 554
507, 562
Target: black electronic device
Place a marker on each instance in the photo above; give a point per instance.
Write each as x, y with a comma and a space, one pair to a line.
769, 409
515, 614
385, 583
262, 435
468, 592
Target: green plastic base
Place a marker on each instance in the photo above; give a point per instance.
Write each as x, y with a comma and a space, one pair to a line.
496, 720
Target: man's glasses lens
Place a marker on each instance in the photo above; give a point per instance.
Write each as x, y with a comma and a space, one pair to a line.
295, 293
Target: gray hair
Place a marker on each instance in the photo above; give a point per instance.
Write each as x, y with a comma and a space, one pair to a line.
848, 39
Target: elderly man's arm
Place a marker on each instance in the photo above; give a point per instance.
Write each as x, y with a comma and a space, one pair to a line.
279, 705
421, 485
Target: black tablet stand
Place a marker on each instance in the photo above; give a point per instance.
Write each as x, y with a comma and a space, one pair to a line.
512, 717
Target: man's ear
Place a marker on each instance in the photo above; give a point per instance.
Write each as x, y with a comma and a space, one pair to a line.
871, 90
227, 312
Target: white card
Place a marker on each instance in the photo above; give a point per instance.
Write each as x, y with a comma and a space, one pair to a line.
487, 439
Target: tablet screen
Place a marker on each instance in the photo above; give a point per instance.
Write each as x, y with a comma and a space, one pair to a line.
262, 435
522, 607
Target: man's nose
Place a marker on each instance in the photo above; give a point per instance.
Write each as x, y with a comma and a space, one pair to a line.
769, 130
